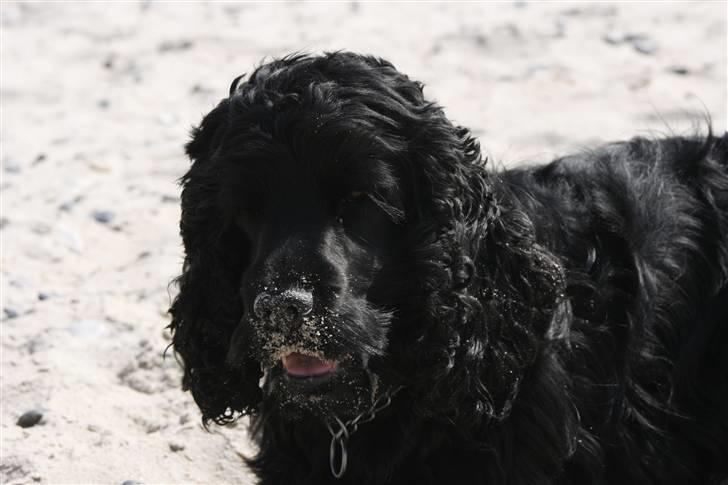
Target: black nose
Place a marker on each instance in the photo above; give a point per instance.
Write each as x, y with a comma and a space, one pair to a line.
287, 307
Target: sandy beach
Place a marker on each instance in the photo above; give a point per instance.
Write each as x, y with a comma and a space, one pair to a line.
97, 100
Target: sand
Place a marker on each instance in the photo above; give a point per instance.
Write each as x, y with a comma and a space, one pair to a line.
97, 101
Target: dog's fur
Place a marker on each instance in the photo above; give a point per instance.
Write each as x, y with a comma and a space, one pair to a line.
566, 323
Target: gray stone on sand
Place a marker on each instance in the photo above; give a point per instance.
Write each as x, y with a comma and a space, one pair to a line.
29, 418
103, 216
176, 446
679, 70
643, 45
10, 313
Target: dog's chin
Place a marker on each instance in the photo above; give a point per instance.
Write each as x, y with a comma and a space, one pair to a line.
320, 389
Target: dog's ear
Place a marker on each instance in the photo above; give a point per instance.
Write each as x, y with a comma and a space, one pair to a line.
208, 307
491, 292
206, 137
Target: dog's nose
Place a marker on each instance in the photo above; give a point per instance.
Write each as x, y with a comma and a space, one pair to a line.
286, 308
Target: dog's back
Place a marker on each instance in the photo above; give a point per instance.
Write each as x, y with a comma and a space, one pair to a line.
642, 230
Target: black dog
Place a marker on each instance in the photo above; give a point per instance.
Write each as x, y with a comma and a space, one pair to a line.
390, 311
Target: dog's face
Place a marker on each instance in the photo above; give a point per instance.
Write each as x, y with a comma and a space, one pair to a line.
320, 234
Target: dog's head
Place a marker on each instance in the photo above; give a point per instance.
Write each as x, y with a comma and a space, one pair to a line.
332, 221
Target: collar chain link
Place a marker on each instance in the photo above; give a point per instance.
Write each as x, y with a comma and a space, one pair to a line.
340, 438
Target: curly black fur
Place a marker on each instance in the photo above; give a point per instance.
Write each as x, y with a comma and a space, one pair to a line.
566, 323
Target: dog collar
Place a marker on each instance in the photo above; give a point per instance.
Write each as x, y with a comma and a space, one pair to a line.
340, 438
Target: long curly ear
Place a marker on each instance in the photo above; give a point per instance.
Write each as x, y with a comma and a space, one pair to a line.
491, 292
208, 307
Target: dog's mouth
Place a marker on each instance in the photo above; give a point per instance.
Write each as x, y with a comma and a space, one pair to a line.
302, 366
301, 380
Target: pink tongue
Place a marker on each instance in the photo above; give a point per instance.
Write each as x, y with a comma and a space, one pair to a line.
300, 365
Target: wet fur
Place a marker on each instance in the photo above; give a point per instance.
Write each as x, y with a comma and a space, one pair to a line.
566, 323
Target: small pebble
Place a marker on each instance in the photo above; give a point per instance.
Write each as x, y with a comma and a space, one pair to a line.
40, 228
175, 447
639, 42
103, 216
42, 296
179, 45
679, 70
10, 313
103, 103
12, 167
109, 61
29, 419
201, 89
131, 482
643, 45
42, 157
613, 37
68, 205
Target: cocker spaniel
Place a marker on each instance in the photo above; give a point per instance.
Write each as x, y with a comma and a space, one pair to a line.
387, 309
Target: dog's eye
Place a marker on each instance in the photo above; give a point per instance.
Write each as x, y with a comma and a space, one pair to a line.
365, 218
352, 198
354, 209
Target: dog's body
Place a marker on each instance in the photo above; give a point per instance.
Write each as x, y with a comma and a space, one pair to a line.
558, 324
